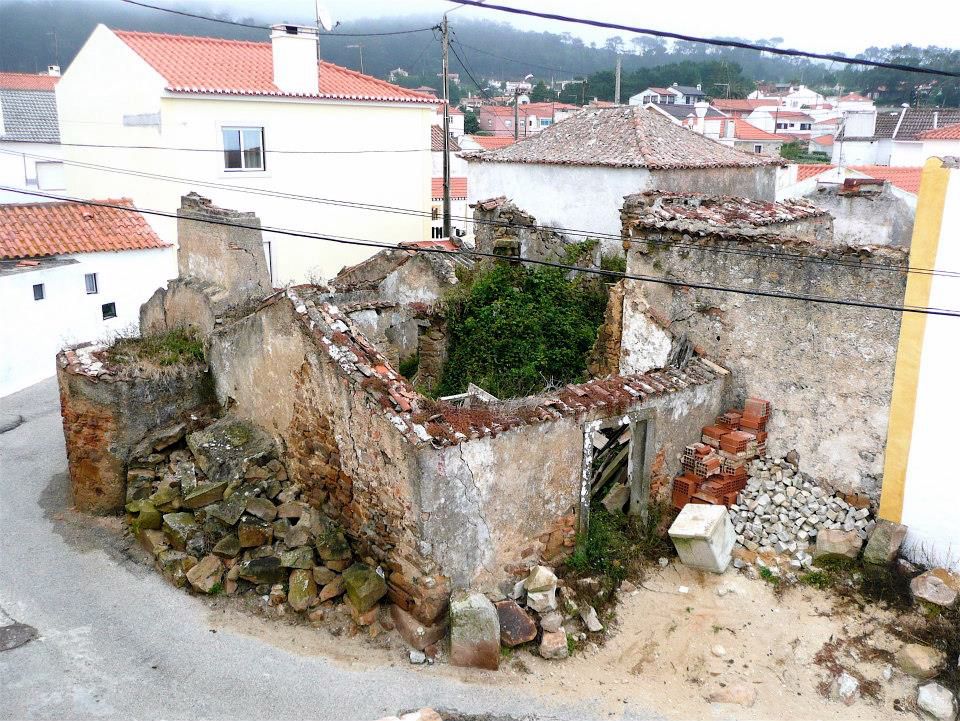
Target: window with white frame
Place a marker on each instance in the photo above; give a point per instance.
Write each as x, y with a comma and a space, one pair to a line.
90, 281
243, 149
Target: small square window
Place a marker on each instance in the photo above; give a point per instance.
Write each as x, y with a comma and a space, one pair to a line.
243, 149
758, 149
38, 291
90, 280
109, 310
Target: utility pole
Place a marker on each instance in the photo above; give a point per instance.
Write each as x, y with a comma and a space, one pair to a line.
447, 231
516, 113
616, 86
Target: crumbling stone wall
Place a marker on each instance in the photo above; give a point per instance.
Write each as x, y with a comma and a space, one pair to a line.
498, 222
828, 369
870, 215
106, 415
432, 347
605, 357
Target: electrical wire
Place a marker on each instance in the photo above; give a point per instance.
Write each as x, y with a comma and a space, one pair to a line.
792, 257
464, 45
480, 88
237, 23
347, 240
707, 41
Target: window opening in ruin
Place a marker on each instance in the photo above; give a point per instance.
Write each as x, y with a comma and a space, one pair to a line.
617, 454
109, 310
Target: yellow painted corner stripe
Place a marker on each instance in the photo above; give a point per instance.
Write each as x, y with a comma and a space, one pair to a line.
923, 254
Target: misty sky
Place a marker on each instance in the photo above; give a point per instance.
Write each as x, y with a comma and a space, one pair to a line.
849, 27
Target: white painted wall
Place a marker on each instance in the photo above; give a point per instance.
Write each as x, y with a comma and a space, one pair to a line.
932, 491
107, 80
940, 149
20, 171
856, 152
34, 330
565, 196
907, 154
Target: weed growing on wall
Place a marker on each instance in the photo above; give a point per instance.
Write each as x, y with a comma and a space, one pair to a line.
515, 330
176, 347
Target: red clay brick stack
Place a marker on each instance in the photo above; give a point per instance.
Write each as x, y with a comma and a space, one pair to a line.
715, 470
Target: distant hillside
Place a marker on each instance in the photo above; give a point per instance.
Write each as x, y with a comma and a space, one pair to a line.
36, 34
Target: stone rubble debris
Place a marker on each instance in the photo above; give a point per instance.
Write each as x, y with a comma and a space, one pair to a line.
937, 702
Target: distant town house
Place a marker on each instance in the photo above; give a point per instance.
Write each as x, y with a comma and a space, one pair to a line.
257, 125
30, 150
71, 272
903, 137
673, 95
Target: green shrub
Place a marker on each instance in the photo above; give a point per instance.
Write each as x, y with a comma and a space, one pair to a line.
408, 366
176, 347
513, 330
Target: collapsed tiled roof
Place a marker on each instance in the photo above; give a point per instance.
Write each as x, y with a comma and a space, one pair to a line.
629, 137
29, 116
31, 230
720, 215
436, 140
948, 132
422, 420
458, 188
241, 67
28, 81
369, 273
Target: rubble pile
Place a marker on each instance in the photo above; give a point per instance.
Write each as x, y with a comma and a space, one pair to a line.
781, 511
216, 509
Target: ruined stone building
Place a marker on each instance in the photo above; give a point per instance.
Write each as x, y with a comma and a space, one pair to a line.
440, 496
829, 366
575, 174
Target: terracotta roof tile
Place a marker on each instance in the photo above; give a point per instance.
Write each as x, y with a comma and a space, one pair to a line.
458, 188
436, 141
824, 140
744, 130
241, 67
947, 132
491, 142
31, 230
809, 170
740, 104
628, 137
905, 178
27, 81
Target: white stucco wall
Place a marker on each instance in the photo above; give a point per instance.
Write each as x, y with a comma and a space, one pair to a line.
907, 154
107, 81
855, 152
34, 330
20, 171
932, 492
565, 196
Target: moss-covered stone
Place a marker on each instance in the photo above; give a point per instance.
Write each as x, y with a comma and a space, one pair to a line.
179, 528
364, 586
204, 494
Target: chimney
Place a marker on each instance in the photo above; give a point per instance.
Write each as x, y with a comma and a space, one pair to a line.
700, 110
698, 87
53, 70
295, 59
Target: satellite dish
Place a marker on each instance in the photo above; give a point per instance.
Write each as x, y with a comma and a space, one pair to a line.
323, 18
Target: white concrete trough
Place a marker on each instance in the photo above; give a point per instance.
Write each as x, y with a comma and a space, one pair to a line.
703, 536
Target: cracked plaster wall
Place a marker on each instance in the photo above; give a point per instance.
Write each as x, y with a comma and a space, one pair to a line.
827, 369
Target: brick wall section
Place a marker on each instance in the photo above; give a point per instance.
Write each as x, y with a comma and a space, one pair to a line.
605, 357
107, 412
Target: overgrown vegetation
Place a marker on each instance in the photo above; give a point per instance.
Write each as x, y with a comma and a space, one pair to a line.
176, 347
615, 263
514, 330
409, 365
797, 152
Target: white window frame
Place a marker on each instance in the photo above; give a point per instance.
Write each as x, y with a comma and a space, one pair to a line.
239, 128
86, 283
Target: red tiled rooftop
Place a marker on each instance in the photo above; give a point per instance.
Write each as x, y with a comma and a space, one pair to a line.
907, 178
31, 230
491, 142
240, 67
824, 140
436, 141
809, 170
947, 132
454, 110
458, 187
744, 130
740, 104
854, 98
27, 81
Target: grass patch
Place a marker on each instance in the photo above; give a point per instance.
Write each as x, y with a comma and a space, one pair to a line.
769, 576
614, 263
408, 366
180, 346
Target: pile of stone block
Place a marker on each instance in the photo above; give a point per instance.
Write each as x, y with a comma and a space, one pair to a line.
215, 508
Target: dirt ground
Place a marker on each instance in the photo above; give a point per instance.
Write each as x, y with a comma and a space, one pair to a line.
660, 652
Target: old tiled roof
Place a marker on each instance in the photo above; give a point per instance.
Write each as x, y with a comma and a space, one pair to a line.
27, 81
436, 140
241, 67
681, 111
37, 229
458, 188
491, 142
947, 132
905, 178
425, 421
29, 116
720, 215
629, 137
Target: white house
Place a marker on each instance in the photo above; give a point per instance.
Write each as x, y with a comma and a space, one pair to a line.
456, 120
29, 127
794, 97
71, 272
254, 126
574, 175
673, 95
893, 137
778, 119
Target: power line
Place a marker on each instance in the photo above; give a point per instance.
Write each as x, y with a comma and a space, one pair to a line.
708, 41
463, 65
792, 257
237, 23
347, 240
519, 62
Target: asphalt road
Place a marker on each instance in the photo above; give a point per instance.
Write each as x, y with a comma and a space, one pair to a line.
116, 641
